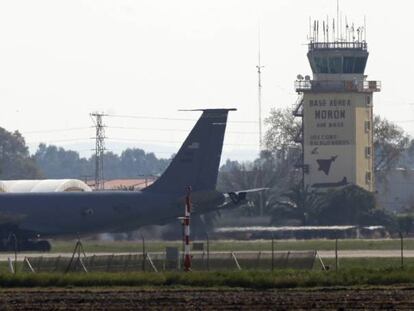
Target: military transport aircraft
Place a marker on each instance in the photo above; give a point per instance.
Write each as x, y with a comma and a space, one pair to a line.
30, 215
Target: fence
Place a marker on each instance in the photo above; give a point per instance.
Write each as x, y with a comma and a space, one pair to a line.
201, 261
260, 254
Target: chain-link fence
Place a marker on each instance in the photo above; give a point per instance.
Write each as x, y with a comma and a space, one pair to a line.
155, 257
201, 261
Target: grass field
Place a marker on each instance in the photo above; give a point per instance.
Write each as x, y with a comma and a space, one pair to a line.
368, 263
222, 245
344, 264
256, 279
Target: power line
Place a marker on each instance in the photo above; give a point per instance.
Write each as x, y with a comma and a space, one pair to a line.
166, 118
166, 141
148, 117
59, 140
126, 140
57, 130
129, 128
171, 130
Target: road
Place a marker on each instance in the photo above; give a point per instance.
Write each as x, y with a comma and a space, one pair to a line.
322, 254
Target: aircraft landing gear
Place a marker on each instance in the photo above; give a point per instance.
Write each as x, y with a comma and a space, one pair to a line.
9, 242
25, 245
35, 245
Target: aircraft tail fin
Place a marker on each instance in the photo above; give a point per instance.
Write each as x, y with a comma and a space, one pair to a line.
197, 162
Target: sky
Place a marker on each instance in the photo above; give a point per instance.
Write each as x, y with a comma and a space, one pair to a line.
62, 60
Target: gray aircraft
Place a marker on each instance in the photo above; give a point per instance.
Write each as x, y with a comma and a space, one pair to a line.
30, 215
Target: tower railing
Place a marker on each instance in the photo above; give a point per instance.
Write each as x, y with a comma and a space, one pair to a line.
337, 86
356, 45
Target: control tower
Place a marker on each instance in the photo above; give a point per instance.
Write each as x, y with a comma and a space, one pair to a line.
336, 110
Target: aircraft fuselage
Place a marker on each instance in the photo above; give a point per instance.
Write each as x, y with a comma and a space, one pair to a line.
71, 213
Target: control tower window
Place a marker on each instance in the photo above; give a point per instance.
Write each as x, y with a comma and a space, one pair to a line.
368, 100
349, 64
335, 65
338, 64
368, 177
354, 64
321, 64
360, 64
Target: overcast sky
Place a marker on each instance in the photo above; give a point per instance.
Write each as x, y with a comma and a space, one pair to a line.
61, 60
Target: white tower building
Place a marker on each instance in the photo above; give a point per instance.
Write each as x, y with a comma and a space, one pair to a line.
336, 110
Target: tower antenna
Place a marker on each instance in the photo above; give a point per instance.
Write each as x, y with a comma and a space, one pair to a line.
317, 29
337, 19
99, 149
365, 28
324, 32
327, 28
310, 29
259, 91
346, 29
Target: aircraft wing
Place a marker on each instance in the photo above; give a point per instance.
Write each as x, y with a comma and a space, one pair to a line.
241, 195
238, 198
210, 201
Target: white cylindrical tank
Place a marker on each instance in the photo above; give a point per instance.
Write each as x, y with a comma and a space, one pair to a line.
45, 185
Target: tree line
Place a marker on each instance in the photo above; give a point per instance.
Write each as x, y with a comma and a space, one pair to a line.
54, 162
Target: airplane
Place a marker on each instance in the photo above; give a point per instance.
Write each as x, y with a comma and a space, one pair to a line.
30, 215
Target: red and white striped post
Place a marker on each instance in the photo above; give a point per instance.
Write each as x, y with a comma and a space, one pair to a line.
187, 256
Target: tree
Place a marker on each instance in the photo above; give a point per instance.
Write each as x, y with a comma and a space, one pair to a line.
15, 160
230, 166
390, 143
262, 173
280, 142
135, 162
352, 205
56, 162
298, 203
405, 223
283, 128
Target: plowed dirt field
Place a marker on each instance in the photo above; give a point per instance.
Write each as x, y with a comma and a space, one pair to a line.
137, 299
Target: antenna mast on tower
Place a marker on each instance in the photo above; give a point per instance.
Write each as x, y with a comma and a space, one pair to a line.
99, 149
259, 93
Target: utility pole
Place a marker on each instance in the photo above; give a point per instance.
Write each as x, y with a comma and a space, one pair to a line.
259, 95
99, 149
259, 100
